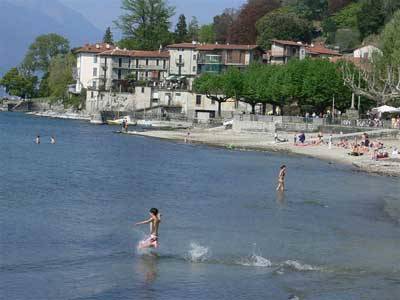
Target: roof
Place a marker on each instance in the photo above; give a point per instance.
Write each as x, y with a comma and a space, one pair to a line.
210, 47
135, 53
319, 49
285, 42
95, 48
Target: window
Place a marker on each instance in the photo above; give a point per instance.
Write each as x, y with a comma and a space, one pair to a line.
212, 101
147, 74
120, 62
119, 74
180, 58
194, 57
147, 62
94, 84
95, 59
164, 63
194, 68
94, 72
92, 94
158, 62
142, 90
178, 94
198, 99
137, 63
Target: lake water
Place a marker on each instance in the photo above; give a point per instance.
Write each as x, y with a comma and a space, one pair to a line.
67, 213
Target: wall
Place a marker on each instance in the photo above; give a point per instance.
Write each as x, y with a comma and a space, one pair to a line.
85, 64
187, 58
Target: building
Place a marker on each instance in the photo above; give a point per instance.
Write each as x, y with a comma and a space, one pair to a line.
282, 51
188, 60
88, 65
366, 52
119, 68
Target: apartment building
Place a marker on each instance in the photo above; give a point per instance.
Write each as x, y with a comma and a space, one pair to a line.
282, 51
120, 66
88, 65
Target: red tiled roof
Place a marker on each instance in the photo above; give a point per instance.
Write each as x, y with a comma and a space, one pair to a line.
210, 47
285, 42
96, 48
320, 49
135, 53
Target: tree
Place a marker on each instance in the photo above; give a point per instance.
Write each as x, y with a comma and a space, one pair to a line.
371, 17
18, 84
108, 37
60, 75
336, 5
207, 34
193, 29
42, 50
285, 26
146, 22
312, 9
347, 38
244, 27
381, 76
217, 87
223, 25
181, 31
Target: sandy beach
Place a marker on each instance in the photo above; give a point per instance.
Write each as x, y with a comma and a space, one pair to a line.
265, 142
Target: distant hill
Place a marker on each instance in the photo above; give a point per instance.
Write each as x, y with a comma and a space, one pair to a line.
23, 20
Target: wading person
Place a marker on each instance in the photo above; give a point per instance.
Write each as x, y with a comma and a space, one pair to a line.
154, 221
52, 140
281, 179
37, 140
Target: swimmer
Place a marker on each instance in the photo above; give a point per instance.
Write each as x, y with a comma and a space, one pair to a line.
37, 140
52, 140
281, 179
154, 221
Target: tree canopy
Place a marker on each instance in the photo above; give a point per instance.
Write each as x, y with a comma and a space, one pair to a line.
42, 50
108, 36
181, 32
146, 23
19, 84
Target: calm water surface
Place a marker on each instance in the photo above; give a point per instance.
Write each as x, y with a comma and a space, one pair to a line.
67, 213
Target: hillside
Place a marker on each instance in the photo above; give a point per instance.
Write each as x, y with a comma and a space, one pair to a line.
23, 20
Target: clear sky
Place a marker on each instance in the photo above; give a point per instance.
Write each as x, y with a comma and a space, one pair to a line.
102, 12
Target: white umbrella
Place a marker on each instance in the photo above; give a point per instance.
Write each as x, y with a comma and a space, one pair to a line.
386, 109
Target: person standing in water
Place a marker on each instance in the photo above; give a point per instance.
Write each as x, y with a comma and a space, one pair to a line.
154, 221
37, 140
281, 179
52, 140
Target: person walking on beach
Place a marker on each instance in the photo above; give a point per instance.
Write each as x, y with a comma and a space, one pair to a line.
37, 140
154, 221
281, 179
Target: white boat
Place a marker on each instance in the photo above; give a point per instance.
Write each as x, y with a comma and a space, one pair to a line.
119, 121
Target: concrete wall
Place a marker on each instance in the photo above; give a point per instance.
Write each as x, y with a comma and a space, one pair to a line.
189, 59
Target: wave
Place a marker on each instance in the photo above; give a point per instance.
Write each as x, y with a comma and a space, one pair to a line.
197, 253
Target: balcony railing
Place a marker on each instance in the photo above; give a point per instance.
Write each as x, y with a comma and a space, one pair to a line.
210, 59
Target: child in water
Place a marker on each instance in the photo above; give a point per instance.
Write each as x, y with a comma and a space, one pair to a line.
154, 221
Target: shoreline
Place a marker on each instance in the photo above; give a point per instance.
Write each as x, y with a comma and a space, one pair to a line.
264, 142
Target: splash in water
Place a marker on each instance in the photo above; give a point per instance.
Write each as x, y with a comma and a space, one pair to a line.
197, 253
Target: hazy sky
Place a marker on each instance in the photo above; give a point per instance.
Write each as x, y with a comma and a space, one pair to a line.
102, 12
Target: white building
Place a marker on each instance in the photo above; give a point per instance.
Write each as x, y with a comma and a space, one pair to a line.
88, 65
366, 52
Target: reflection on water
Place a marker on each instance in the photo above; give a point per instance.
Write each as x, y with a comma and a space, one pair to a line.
146, 266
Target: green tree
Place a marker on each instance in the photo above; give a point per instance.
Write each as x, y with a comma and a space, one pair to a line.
108, 37
312, 9
371, 17
286, 26
181, 31
42, 50
193, 29
217, 87
347, 38
207, 34
60, 75
18, 84
146, 22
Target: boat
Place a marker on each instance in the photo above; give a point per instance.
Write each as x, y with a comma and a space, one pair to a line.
119, 121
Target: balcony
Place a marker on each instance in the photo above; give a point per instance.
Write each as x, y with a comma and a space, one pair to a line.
180, 62
148, 67
210, 59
